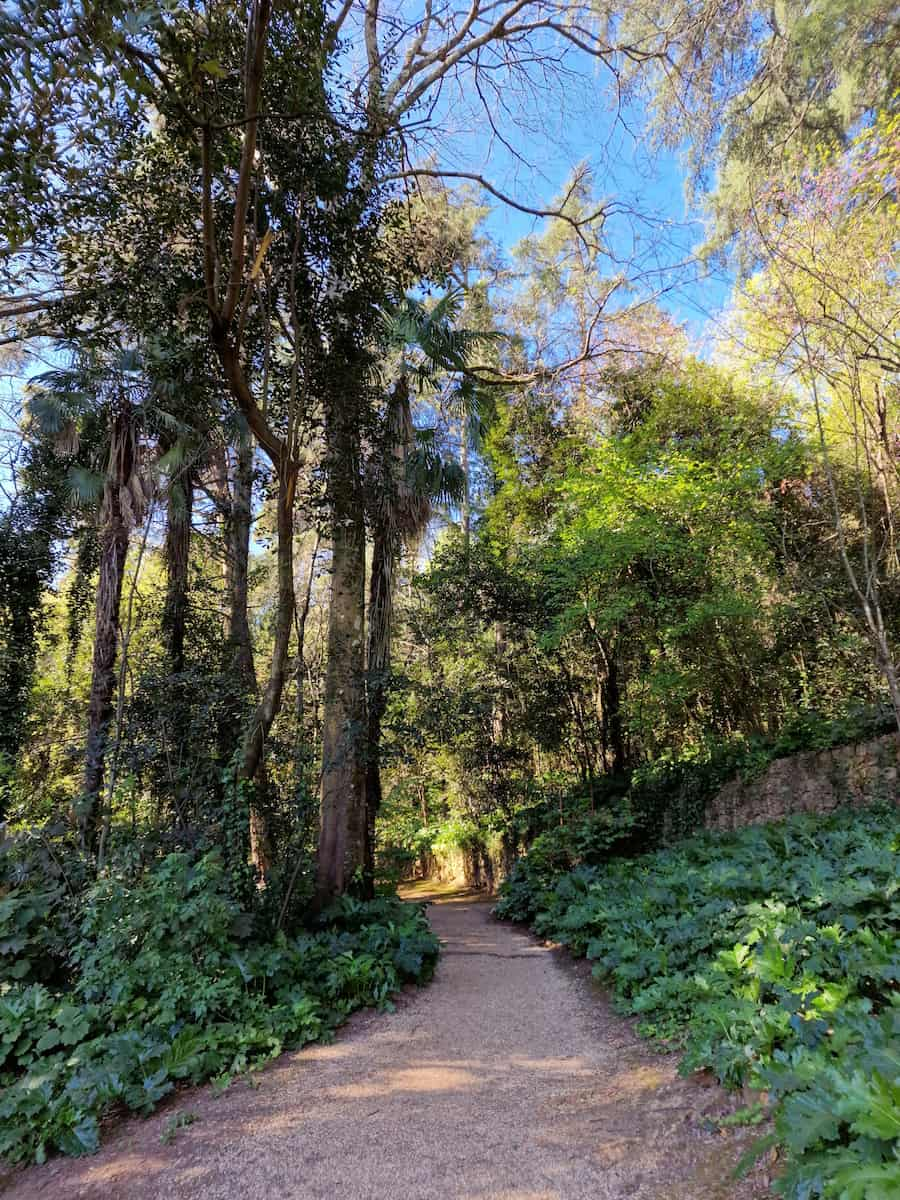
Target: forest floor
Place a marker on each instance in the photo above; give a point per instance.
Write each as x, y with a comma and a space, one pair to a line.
509, 1078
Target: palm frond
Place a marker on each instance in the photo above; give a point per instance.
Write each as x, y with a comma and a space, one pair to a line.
173, 460
429, 474
431, 333
85, 486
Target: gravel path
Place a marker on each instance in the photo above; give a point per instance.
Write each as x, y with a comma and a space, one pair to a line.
509, 1078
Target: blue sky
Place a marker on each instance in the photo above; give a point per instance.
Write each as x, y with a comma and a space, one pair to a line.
546, 134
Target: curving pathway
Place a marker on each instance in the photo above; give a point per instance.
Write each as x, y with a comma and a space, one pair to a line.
509, 1078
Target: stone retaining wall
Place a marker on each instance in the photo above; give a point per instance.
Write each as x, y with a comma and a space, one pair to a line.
818, 781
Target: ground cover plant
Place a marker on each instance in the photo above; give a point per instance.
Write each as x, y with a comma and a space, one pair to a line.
167, 988
771, 957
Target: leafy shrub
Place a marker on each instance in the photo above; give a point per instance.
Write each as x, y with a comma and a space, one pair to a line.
42, 879
24, 934
169, 989
588, 840
772, 957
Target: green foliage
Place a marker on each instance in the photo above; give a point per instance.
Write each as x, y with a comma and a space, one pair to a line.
42, 878
650, 600
669, 796
25, 933
28, 558
589, 840
772, 957
176, 1122
754, 82
169, 988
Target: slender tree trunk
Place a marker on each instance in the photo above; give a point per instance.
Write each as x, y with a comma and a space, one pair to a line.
341, 852
614, 735
464, 464
300, 619
237, 568
378, 666
239, 510
586, 751
883, 457
115, 748
177, 556
270, 701
113, 552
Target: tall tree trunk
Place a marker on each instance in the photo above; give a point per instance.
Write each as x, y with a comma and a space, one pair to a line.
397, 511
237, 567
611, 699
378, 666
884, 450
240, 655
177, 556
300, 619
612, 713
270, 700
341, 852
113, 552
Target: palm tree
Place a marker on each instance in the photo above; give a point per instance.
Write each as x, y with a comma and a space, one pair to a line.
406, 476
98, 413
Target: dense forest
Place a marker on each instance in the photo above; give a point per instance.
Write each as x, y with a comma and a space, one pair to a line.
372, 489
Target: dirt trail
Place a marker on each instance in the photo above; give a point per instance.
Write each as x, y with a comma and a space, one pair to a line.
508, 1078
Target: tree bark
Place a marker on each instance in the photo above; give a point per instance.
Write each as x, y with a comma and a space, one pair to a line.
270, 700
614, 735
240, 656
341, 853
378, 666
300, 619
114, 533
177, 556
237, 567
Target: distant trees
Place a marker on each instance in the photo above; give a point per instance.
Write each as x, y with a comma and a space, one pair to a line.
30, 530
821, 315
668, 592
753, 85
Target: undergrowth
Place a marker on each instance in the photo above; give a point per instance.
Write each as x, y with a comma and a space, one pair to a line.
770, 956
168, 987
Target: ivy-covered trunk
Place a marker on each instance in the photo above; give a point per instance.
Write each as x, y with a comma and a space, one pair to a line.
115, 525
270, 700
237, 567
341, 855
378, 665
241, 729
177, 554
252, 768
